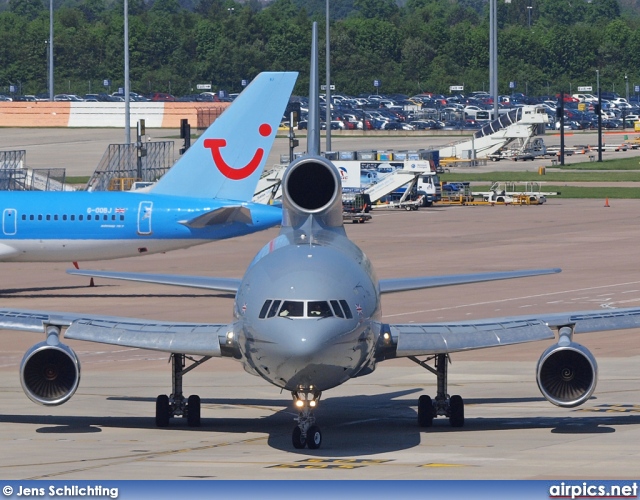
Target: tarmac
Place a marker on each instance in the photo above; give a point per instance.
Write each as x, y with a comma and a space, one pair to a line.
107, 431
370, 431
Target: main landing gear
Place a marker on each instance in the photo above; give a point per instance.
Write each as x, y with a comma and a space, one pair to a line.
444, 405
176, 405
306, 433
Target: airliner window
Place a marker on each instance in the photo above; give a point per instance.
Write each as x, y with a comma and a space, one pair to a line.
265, 308
88, 217
347, 311
31, 217
319, 309
292, 309
39, 217
274, 308
24, 217
337, 309
73, 217
48, 217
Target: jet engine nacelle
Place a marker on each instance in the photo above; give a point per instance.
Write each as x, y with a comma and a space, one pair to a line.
567, 374
50, 374
311, 185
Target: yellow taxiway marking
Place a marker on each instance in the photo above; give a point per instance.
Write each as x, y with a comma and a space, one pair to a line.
612, 409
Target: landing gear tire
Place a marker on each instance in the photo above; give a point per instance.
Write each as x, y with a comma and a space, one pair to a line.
163, 411
314, 437
425, 411
456, 406
193, 411
299, 441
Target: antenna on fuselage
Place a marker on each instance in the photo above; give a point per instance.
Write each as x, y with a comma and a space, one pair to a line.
313, 123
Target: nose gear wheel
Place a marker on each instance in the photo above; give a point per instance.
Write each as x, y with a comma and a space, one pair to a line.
306, 433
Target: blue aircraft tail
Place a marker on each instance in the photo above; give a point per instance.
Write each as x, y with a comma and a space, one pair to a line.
228, 158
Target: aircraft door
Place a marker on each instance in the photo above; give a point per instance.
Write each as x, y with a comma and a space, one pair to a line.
145, 210
9, 221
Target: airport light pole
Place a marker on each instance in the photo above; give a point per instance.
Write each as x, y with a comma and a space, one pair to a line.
599, 109
626, 84
127, 96
529, 7
493, 55
51, 50
328, 93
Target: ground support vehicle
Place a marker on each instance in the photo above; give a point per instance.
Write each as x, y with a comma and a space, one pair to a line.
520, 193
518, 126
356, 207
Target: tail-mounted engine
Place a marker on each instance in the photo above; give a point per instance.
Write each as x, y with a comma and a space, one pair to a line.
312, 186
567, 374
50, 374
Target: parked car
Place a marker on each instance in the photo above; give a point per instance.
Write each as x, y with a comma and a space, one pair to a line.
162, 97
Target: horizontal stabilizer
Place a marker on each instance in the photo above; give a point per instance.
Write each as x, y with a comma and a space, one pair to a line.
404, 284
219, 216
209, 283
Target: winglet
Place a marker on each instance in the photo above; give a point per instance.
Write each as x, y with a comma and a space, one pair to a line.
227, 161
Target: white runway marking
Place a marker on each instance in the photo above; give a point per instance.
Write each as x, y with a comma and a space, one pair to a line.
511, 299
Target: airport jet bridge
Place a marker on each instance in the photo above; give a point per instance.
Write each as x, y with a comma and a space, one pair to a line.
520, 124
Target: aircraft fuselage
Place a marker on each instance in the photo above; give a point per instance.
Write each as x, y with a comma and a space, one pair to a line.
308, 327
54, 227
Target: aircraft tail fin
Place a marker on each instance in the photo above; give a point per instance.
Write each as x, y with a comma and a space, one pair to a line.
227, 160
311, 185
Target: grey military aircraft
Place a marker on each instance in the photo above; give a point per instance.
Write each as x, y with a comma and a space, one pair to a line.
307, 318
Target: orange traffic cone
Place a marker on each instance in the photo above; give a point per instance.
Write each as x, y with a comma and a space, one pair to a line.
606, 202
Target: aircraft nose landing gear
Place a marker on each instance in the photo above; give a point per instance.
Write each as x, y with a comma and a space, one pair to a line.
306, 433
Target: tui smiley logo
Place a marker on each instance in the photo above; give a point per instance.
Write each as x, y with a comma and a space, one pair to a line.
236, 174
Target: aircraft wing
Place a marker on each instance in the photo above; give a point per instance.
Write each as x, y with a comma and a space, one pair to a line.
437, 338
415, 283
222, 215
209, 283
186, 338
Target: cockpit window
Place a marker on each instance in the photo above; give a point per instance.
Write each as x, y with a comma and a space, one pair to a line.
305, 309
347, 311
292, 309
337, 309
265, 308
319, 309
273, 309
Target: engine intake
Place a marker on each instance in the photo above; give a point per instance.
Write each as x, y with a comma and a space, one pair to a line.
312, 186
50, 374
567, 374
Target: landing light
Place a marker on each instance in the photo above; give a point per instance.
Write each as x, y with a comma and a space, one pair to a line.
299, 403
312, 404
